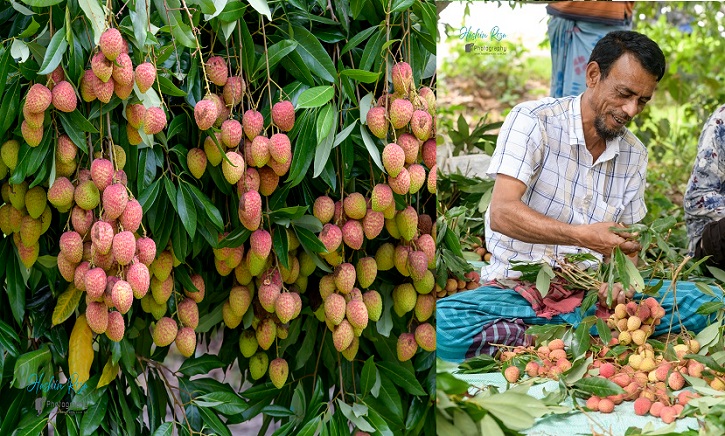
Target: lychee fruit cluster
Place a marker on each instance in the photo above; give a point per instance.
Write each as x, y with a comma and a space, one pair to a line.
635, 322
470, 280
24, 211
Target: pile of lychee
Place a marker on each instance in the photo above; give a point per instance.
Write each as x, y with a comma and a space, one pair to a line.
25, 213
454, 284
634, 322
644, 374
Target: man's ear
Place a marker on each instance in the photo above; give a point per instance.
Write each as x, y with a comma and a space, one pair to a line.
593, 74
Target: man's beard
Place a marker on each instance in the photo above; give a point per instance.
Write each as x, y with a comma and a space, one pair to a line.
605, 132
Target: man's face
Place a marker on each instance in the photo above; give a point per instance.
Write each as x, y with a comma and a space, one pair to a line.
620, 96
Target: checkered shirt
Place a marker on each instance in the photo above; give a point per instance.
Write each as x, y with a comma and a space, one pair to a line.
542, 144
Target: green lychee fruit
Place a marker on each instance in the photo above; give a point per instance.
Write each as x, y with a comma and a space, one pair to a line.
86, 195
165, 332
374, 304
278, 372
407, 223
404, 298
366, 270
266, 333
258, 365
424, 307
248, 343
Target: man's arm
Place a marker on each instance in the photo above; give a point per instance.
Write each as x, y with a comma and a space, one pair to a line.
510, 216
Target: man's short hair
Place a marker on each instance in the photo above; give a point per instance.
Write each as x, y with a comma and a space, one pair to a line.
614, 44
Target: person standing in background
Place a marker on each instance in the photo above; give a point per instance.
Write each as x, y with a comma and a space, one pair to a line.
575, 28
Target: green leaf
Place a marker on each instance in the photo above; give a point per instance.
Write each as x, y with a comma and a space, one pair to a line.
310, 241
227, 403
358, 421
54, 54
5, 63
26, 367
187, 209
280, 245
41, 3
325, 120
598, 386
401, 377
165, 429
369, 375
232, 11
543, 279
78, 121
401, 5
303, 154
372, 148
710, 307
451, 384
140, 19
322, 154
9, 107
213, 421
361, 75
200, 365
275, 53
34, 427
96, 16
262, 7
313, 54
310, 428
168, 87
604, 333
15, 288
315, 97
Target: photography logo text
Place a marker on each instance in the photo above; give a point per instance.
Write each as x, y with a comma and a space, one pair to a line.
36, 384
480, 41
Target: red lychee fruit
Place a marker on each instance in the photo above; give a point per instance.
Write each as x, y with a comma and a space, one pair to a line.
402, 78
205, 113
283, 115
377, 121
393, 159
280, 148
233, 90
216, 70
154, 120
253, 123
115, 198
124, 247
145, 76
38, 99
111, 43
250, 209
102, 67
64, 97
231, 133
401, 111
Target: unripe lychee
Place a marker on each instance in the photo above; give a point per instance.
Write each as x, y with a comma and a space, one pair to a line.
233, 169
343, 335
406, 221
258, 365
260, 151
216, 70
284, 307
345, 276
278, 372
97, 316
253, 123
165, 331
35, 201
124, 247
34, 120
196, 161
335, 307
154, 120
377, 121
366, 271
240, 299
145, 76
64, 97
29, 255
424, 307
266, 333
402, 76
188, 313
186, 341
162, 265
404, 298
248, 343
323, 209
111, 43
406, 347
283, 115
384, 256
38, 99
32, 136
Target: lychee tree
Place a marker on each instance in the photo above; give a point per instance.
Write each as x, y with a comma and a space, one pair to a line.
214, 210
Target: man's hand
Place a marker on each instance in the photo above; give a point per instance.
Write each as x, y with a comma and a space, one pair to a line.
599, 237
618, 294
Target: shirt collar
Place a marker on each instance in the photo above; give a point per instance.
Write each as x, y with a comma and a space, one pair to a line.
576, 132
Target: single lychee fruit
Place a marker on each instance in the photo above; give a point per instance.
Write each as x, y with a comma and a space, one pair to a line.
323, 209
145, 76
402, 76
421, 124
64, 97
352, 234
102, 67
115, 199
260, 151
253, 123
231, 133
258, 365
404, 298
130, 219
410, 146
233, 167
32, 137
123, 71
97, 316
34, 120
104, 90
283, 115
284, 307
38, 99
95, 281
35, 201
345, 277
407, 223
56, 76
406, 347
331, 237
66, 150
366, 270
606, 405
393, 159
233, 90
111, 43
102, 237
216, 70
135, 115
124, 247
154, 120
335, 307
139, 278
280, 148
165, 331
212, 150
205, 113
240, 299
116, 327
122, 296
186, 341
88, 85
377, 121
260, 242
343, 335
401, 111
71, 245
266, 333
250, 210
196, 161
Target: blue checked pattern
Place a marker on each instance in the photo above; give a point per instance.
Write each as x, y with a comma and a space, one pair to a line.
542, 144
464, 320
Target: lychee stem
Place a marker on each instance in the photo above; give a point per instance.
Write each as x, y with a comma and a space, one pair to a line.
266, 59
198, 46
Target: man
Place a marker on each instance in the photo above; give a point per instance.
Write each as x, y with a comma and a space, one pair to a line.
574, 29
566, 172
705, 195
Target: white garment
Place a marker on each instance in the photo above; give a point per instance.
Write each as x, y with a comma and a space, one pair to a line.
542, 144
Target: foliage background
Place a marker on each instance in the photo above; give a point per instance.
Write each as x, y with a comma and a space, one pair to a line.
342, 48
